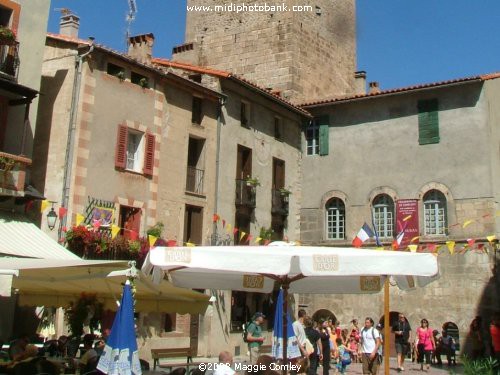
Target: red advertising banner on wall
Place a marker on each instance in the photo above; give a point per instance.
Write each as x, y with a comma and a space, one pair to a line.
407, 220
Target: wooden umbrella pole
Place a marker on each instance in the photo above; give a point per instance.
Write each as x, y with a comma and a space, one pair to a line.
387, 330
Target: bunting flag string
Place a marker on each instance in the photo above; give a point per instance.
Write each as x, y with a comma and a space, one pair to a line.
152, 240
115, 229
79, 219
44, 205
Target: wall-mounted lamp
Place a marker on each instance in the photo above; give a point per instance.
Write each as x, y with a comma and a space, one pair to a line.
51, 218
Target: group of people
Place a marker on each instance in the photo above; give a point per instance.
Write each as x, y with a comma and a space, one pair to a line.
25, 358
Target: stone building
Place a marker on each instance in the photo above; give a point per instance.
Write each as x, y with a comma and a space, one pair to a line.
23, 24
117, 136
434, 147
259, 137
305, 51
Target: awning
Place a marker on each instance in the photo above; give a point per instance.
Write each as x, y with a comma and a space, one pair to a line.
21, 239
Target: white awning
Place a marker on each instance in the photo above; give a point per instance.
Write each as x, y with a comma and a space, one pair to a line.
20, 239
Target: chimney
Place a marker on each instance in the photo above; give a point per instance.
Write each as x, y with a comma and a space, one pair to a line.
374, 88
69, 25
360, 82
140, 47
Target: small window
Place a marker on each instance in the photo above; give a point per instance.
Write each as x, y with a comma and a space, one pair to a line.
195, 77
312, 138
135, 150
115, 70
383, 215
428, 122
245, 114
135, 146
435, 214
5, 16
278, 128
335, 219
196, 114
139, 79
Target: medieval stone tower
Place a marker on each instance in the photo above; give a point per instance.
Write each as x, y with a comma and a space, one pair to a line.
305, 54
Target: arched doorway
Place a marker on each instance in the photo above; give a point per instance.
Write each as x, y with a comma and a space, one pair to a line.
452, 330
323, 314
393, 318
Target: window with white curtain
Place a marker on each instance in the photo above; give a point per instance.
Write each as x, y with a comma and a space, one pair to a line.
335, 219
383, 215
435, 213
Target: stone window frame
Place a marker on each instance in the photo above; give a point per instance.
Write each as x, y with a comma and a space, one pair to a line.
327, 197
391, 193
450, 209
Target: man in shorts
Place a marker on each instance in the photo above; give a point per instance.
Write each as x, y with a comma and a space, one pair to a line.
402, 333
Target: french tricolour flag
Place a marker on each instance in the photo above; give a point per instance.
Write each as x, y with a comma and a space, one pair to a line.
364, 234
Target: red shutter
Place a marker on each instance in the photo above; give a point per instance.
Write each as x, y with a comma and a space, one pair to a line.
149, 155
121, 147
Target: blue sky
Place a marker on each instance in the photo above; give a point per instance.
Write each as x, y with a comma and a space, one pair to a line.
399, 42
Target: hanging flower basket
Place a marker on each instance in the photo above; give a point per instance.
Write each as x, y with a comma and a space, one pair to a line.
252, 181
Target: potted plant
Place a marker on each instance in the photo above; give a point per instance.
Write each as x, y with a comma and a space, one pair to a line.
252, 181
7, 36
144, 83
266, 235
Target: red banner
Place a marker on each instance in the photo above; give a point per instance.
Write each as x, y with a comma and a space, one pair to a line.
407, 220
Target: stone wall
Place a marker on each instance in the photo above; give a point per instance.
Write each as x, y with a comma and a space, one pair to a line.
309, 54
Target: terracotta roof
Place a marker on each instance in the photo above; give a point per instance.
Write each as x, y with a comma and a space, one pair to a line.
478, 78
131, 60
229, 75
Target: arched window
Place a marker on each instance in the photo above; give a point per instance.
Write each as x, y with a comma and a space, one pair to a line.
383, 215
335, 219
435, 213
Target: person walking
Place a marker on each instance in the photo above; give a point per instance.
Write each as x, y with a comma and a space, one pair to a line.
254, 336
370, 342
425, 344
325, 343
475, 337
402, 337
315, 339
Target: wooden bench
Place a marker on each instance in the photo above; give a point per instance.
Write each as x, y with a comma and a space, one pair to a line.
172, 353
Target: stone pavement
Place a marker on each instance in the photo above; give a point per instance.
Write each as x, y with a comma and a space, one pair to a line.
410, 369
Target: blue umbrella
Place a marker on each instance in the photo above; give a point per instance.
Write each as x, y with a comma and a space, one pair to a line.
120, 356
292, 346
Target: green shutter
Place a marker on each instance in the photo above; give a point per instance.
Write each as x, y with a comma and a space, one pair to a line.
428, 122
324, 134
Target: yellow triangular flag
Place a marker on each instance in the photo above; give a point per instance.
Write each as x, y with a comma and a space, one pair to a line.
451, 246
190, 244
242, 234
467, 222
79, 219
497, 213
228, 227
115, 229
152, 240
257, 240
45, 204
413, 248
379, 248
491, 238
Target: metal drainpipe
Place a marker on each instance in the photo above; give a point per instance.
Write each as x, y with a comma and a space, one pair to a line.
222, 102
68, 161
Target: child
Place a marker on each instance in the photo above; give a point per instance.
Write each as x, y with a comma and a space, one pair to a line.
353, 347
344, 356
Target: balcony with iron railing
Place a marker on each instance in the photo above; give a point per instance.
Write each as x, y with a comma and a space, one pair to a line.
9, 59
280, 202
12, 174
245, 194
194, 180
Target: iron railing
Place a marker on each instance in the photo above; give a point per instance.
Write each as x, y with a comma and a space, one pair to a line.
279, 202
194, 180
9, 59
245, 194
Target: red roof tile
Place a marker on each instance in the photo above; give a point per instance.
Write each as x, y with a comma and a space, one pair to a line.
229, 75
478, 78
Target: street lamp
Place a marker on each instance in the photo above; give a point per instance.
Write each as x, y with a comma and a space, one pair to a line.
51, 219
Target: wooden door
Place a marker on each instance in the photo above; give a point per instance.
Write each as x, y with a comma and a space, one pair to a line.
193, 224
244, 163
278, 173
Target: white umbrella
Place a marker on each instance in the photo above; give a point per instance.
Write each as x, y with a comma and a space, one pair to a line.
57, 282
298, 269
